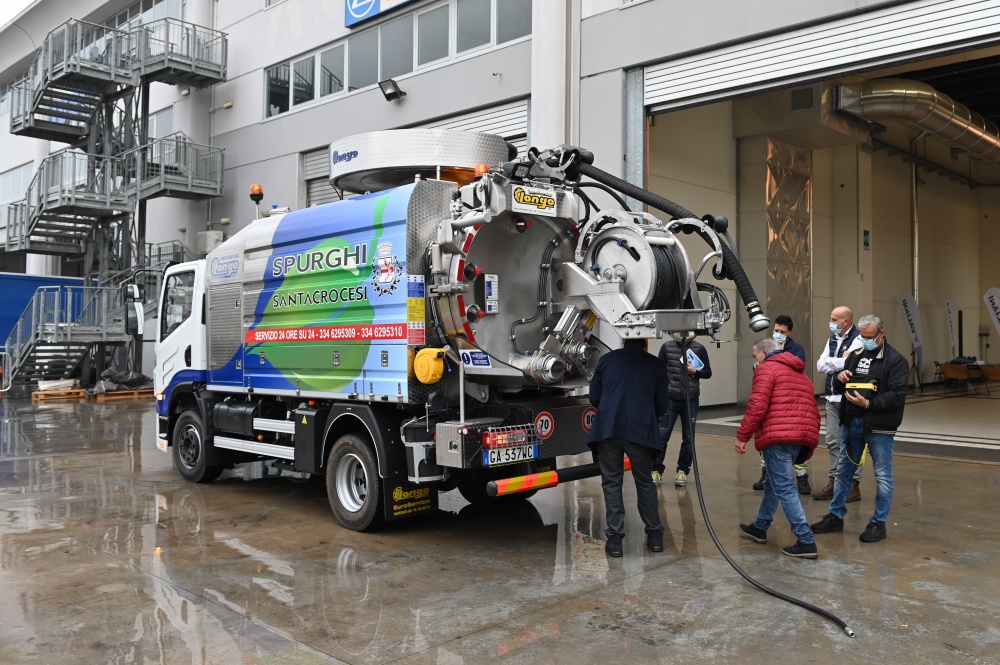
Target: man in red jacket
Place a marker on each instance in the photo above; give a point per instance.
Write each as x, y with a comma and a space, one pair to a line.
783, 419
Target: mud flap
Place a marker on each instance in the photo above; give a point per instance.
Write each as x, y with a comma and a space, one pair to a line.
405, 499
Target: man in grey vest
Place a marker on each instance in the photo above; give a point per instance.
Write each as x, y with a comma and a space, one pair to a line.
843, 341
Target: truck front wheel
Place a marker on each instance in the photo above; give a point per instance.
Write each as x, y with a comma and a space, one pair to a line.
190, 453
353, 484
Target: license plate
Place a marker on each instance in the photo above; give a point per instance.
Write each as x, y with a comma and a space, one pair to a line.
509, 455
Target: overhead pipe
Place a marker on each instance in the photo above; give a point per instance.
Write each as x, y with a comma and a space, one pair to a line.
919, 104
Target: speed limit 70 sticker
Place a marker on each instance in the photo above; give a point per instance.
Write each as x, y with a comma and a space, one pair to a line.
589, 414
545, 425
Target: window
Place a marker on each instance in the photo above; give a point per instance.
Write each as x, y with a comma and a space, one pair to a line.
305, 79
362, 60
145, 11
432, 35
394, 48
277, 89
331, 71
513, 20
177, 302
397, 47
473, 23
161, 124
14, 183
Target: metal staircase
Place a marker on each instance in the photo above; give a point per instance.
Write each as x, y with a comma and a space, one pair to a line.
89, 87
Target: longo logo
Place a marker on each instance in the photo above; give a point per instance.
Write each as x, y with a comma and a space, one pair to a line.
399, 493
539, 200
338, 157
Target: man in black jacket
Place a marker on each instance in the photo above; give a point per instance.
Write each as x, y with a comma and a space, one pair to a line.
678, 366
874, 384
629, 389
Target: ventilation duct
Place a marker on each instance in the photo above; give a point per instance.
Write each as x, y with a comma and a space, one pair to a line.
924, 107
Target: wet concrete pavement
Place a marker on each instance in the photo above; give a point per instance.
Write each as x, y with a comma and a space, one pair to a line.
106, 556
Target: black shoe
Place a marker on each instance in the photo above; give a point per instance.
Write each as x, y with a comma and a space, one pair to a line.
803, 484
874, 532
759, 485
828, 524
753, 533
654, 541
614, 546
800, 550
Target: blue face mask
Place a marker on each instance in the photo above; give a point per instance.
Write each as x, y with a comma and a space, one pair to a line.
834, 328
779, 338
870, 344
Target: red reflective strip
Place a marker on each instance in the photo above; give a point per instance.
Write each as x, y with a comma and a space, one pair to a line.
468, 243
461, 305
460, 273
477, 227
628, 464
524, 483
468, 332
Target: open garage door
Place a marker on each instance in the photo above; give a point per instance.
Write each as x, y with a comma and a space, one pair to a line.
862, 42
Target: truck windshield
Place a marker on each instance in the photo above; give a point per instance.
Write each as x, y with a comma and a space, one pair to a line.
178, 294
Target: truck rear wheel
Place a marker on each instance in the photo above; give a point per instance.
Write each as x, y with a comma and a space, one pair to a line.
353, 485
190, 449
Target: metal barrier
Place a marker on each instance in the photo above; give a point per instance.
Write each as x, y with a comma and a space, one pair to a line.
171, 43
176, 164
68, 314
6, 375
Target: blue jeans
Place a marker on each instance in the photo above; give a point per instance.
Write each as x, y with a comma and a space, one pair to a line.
609, 455
852, 433
675, 410
779, 487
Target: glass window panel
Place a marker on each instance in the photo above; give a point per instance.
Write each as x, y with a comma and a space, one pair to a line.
397, 47
305, 81
432, 35
513, 19
362, 60
277, 89
177, 303
331, 71
473, 23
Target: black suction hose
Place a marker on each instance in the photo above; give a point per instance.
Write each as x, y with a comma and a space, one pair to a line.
708, 523
735, 271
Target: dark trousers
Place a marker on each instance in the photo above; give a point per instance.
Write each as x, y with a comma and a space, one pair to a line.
609, 455
675, 411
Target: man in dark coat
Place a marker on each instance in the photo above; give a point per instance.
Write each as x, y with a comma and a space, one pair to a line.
678, 365
783, 420
629, 389
874, 384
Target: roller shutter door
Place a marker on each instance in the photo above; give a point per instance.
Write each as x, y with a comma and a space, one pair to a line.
316, 171
888, 36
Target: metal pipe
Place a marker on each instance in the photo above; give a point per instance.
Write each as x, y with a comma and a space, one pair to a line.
921, 105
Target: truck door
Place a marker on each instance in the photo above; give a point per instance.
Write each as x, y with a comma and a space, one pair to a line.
180, 343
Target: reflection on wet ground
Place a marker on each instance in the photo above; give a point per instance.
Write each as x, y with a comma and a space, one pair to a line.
106, 556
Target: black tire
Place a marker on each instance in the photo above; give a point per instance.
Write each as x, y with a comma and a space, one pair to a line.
191, 449
353, 484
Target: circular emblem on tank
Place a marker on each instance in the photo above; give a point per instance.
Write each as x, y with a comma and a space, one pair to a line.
379, 160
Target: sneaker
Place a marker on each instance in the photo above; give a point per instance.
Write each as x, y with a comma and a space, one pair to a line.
803, 484
614, 546
753, 533
759, 485
855, 493
681, 480
828, 524
654, 541
657, 478
826, 493
874, 532
800, 550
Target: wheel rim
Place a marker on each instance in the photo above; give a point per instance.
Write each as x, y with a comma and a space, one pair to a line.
352, 482
189, 446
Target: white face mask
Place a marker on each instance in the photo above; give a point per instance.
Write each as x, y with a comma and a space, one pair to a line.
779, 338
835, 328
